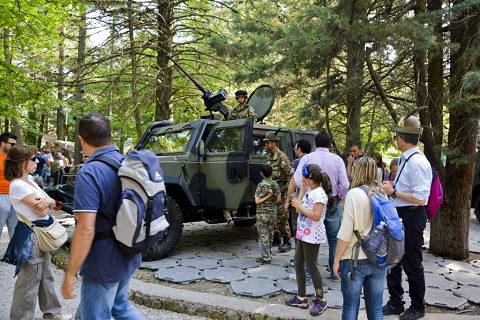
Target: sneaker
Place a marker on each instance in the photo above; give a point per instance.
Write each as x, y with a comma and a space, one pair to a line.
260, 260
292, 277
57, 316
390, 309
319, 306
334, 278
297, 302
412, 314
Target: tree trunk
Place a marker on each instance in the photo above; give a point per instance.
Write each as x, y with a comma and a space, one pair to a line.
133, 59
61, 88
450, 230
435, 75
355, 77
80, 87
163, 88
7, 52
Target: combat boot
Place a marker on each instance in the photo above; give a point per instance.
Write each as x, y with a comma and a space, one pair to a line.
286, 246
276, 240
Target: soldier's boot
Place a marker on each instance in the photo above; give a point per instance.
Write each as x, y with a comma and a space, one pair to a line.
286, 246
276, 239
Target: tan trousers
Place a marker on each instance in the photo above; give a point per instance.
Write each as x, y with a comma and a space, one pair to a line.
35, 279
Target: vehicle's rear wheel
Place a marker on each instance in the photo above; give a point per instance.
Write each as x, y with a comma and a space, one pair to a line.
165, 246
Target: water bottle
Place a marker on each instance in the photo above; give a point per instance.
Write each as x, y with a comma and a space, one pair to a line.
376, 239
381, 253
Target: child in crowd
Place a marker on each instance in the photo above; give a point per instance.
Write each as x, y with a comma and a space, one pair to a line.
311, 204
267, 196
393, 169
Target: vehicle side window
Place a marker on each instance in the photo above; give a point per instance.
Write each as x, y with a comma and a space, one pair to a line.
226, 140
259, 146
169, 142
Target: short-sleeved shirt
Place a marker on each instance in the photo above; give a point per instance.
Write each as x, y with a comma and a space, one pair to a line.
269, 206
309, 230
40, 165
97, 191
414, 176
357, 215
20, 189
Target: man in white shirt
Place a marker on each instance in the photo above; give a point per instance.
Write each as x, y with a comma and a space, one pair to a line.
409, 193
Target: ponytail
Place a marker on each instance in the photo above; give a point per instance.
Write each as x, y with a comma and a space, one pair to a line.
327, 187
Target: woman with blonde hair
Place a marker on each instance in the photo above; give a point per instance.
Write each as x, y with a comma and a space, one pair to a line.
33, 266
358, 216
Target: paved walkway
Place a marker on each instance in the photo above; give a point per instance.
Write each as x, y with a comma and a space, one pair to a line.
211, 255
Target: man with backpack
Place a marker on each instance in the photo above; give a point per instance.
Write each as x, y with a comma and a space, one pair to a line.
409, 193
105, 269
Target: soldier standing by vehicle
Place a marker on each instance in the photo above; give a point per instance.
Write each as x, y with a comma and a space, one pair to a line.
281, 174
243, 110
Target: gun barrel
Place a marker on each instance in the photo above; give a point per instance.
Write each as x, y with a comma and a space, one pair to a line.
198, 85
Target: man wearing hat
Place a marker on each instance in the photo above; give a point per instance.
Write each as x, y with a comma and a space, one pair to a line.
409, 193
281, 174
243, 110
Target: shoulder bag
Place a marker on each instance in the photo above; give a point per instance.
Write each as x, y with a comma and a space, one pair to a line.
50, 238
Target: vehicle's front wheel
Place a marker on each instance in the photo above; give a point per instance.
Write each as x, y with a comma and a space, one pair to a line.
165, 246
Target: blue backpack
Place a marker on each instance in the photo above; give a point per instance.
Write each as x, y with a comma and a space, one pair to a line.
140, 221
385, 244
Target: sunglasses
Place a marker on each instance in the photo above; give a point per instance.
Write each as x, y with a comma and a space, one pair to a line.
33, 159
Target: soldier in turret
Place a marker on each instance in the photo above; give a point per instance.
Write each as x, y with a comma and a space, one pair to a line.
243, 110
281, 174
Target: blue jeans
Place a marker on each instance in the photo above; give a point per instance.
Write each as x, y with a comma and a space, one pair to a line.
372, 279
332, 225
103, 301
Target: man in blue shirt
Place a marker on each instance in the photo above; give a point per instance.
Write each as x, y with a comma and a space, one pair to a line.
106, 271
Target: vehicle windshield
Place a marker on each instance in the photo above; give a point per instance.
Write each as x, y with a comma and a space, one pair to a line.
169, 141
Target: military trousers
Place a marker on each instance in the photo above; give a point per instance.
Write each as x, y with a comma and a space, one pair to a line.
265, 228
282, 226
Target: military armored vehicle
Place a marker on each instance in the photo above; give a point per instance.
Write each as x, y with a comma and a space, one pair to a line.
212, 165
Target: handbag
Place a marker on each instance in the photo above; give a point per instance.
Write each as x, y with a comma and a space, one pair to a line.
50, 238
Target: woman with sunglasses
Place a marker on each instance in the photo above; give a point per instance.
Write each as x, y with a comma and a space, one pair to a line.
311, 205
358, 216
33, 266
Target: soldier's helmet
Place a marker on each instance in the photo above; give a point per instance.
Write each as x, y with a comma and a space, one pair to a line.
240, 93
271, 136
410, 125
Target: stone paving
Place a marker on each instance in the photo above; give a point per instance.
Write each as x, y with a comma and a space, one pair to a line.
214, 253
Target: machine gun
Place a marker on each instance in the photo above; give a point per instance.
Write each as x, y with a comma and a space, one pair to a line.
212, 100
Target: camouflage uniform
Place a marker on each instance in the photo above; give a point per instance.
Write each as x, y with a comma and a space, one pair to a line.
266, 216
281, 174
242, 112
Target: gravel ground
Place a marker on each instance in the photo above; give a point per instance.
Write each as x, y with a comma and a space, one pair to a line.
69, 306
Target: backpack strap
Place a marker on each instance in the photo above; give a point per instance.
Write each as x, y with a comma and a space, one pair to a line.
115, 166
358, 244
398, 176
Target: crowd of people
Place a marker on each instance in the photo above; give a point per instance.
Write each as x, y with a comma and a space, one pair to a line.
309, 192
318, 182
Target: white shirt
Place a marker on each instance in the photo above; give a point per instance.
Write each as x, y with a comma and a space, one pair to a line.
20, 189
309, 230
415, 178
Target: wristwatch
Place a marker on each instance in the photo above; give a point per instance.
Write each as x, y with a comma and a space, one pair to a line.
394, 194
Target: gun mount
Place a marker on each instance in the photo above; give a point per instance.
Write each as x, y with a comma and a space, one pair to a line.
212, 100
